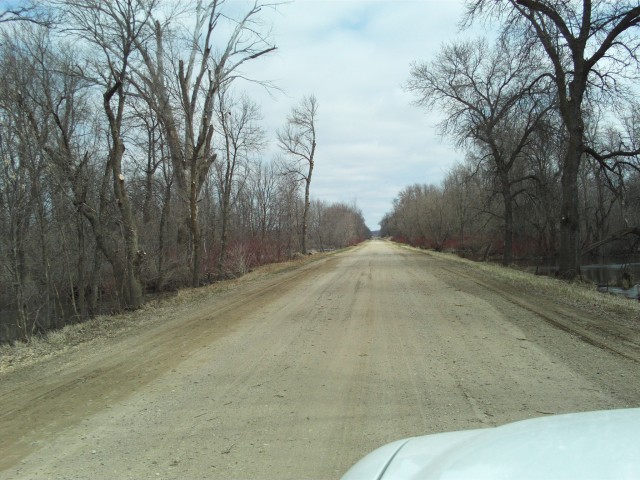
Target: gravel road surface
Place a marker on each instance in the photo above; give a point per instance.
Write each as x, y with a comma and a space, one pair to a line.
299, 374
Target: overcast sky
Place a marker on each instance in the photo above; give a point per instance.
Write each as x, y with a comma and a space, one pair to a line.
354, 56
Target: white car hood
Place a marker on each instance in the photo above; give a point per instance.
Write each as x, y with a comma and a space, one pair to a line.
593, 445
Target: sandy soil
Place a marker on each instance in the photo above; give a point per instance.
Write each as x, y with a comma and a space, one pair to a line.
299, 374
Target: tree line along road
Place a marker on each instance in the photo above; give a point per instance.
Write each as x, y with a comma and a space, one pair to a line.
298, 374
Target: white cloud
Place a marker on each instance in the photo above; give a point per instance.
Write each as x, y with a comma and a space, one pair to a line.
354, 56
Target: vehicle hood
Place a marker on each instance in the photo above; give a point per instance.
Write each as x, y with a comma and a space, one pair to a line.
592, 445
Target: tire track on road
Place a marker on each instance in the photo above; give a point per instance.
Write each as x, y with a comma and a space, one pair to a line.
565, 319
43, 402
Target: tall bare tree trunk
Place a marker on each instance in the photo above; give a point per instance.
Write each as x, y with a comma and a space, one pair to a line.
569, 251
307, 205
572, 116
194, 226
18, 277
80, 275
132, 289
507, 197
298, 142
224, 233
164, 215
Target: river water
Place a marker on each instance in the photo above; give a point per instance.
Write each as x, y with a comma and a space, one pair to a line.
607, 273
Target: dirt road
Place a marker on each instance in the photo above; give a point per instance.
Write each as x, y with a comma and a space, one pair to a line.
299, 374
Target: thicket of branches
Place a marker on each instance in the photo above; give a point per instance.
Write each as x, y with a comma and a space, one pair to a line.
547, 117
131, 162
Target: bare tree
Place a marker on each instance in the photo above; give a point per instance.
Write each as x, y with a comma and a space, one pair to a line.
421, 217
297, 140
147, 154
461, 196
591, 47
242, 137
16, 209
27, 11
65, 127
493, 100
336, 225
542, 200
183, 93
34, 73
264, 187
73, 198
115, 28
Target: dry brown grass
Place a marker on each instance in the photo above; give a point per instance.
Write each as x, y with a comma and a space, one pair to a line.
578, 293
